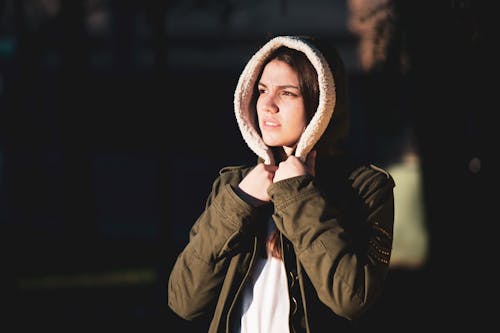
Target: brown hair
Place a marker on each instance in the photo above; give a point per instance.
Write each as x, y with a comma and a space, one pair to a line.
309, 88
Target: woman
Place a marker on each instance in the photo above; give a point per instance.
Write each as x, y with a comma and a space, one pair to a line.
301, 241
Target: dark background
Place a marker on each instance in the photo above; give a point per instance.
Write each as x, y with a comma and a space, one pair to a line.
115, 117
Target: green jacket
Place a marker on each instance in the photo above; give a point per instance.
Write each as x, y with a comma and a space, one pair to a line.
346, 273
336, 227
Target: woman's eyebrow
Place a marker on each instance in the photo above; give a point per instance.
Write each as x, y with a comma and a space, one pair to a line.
281, 86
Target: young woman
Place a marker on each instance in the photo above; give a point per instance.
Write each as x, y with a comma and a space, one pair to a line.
300, 241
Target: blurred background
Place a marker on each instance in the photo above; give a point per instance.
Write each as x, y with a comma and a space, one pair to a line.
115, 117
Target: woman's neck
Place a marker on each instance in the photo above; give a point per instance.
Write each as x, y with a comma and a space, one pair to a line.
279, 154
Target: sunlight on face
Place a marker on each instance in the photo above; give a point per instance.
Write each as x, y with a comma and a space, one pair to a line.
280, 106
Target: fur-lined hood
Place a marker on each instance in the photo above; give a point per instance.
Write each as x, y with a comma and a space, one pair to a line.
329, 125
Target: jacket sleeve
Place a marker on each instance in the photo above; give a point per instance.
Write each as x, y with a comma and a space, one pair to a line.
198, 273
347, 266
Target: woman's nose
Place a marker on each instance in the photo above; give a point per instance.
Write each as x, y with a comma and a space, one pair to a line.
270, 104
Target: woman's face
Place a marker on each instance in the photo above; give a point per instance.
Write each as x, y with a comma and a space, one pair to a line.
280, 106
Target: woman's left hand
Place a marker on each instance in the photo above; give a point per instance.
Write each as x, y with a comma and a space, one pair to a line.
292, 167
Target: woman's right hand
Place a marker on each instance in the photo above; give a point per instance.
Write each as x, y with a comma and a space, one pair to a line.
255, 184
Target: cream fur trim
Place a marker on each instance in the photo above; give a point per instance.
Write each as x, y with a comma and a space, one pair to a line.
247, 119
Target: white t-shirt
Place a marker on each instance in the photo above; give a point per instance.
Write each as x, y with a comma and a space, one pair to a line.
266, 304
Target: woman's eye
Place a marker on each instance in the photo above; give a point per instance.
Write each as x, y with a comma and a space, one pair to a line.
262, 91
289, 93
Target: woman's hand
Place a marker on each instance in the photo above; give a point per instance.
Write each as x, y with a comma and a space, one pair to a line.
293, 167
253, 188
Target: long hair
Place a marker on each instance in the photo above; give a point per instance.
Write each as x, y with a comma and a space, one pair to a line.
309, 88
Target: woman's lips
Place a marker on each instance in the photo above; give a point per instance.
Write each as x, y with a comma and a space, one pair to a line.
271, 123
